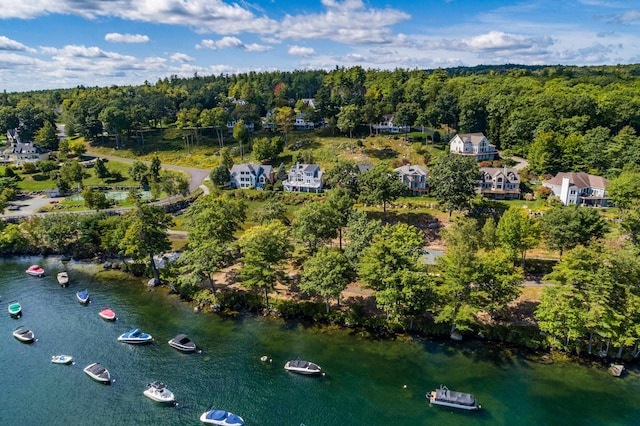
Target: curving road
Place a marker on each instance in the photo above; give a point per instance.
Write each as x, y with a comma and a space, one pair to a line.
30, 205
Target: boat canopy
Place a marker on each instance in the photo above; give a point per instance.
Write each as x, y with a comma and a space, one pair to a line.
217, 415
445, 395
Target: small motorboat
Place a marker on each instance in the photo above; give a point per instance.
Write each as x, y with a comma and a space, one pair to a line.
61, 359
221, 417
135, 336
302, 367
447, 398
98, 373
182, 343
83, 296
63, 278
107, 314
616, 369
158, 392
35, 271
15, 309
24, 334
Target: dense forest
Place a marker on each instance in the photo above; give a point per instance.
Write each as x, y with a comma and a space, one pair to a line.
561, 118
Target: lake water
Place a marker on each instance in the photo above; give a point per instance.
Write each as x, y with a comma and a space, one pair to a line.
367, 381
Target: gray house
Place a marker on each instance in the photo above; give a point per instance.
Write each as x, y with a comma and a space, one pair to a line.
251, 175
304, 178
499, 183
414, 177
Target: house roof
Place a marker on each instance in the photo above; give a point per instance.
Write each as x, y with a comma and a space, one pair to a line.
474, 138
495, 171
579, 180
255, 169
305, 168
410, 169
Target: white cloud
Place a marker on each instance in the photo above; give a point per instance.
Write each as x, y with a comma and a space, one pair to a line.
7, 44
346, 22
627, 17
231, 42
301, 51
126, 38
182, 57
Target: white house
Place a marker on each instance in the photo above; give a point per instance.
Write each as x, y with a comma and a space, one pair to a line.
231, 124
302, 123
473, 145
19, 152
415, 177
304, 178
387, 126
579, 188
499, 183
251, 175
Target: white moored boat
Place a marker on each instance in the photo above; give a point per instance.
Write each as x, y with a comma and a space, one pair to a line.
61, 359
158, 392
63, 278
24, 334
98, 373
447, 398
182, 343
302, 367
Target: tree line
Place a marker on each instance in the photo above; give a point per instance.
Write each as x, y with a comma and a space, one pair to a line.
560, 118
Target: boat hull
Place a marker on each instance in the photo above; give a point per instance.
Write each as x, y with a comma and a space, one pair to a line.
182, 343
25, 336
63, 279
35, 271
98, 373
107, 314
159, 393
223, 419
303, 367
15, 310
452, 399
61, 359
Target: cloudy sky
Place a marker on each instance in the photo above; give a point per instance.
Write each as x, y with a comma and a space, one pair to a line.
48, 44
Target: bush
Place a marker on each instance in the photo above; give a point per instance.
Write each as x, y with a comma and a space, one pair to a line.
542, 193
29, 168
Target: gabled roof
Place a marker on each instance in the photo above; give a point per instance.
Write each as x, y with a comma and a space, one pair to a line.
474, 138
495, 171
412, 170
254, 169
305, 168
579, 180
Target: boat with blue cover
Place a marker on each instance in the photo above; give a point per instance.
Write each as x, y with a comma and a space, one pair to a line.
83, 296
221, 417
447, 398
135, 336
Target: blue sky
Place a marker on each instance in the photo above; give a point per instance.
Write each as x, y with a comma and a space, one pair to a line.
47, 44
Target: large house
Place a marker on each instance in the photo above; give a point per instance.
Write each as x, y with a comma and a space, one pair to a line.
387, 126
473, 145
304, 178
415, 177
499, 183
19, 152
302, 123
579, 188
251, 176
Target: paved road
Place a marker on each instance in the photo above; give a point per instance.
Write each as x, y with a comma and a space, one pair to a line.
29, 205
197, 176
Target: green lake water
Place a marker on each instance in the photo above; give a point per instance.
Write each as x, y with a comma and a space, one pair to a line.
367, 381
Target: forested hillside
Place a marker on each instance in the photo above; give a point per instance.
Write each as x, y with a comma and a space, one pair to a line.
559, 117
